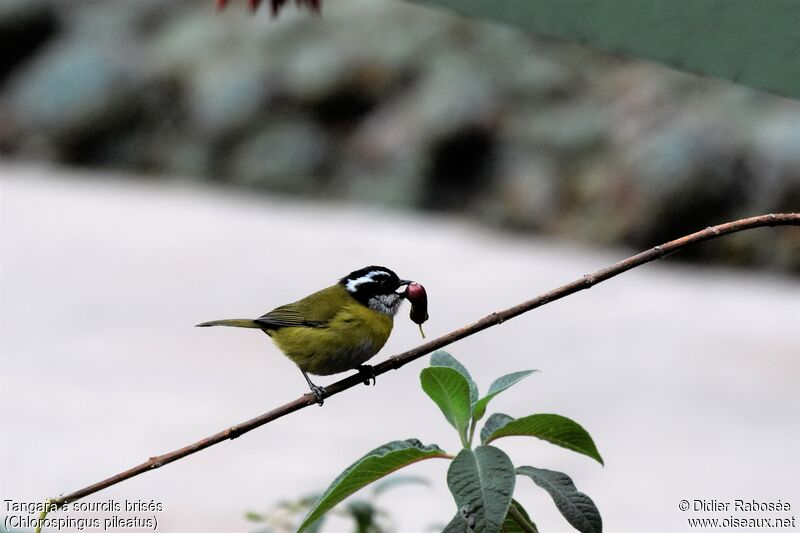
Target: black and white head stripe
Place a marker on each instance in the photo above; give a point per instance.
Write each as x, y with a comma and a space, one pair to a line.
372, 276
376, 287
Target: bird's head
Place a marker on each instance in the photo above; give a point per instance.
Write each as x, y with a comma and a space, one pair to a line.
376, 287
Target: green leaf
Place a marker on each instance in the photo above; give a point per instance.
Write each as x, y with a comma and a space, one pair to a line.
579, 510
316, 525
253, 516
442, 358
555, 429
395, 481
498, 386
457, 525
296, 507
373, 466
363, 513
751, 43
482, 482
494, 422
306, 501
510, 525
448, 388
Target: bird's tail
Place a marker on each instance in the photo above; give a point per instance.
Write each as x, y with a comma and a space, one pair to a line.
234, 323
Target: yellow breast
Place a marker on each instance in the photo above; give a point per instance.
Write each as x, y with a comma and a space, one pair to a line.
351, 337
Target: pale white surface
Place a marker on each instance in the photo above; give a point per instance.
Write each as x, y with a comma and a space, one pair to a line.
686, 377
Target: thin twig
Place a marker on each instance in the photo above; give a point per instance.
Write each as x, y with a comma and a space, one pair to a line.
395, 362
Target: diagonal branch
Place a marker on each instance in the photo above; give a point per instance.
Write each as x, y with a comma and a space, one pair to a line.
395, 362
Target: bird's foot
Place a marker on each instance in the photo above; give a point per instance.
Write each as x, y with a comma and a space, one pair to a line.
368, 373
320, 393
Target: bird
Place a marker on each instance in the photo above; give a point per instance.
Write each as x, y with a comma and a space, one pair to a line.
335, 329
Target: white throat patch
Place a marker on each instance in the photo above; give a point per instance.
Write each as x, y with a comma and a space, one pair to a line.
352, 285
388, 304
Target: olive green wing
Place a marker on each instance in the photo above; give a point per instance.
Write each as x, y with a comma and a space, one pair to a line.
286, 316
314, 311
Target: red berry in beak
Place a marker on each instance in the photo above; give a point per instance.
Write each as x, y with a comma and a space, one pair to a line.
419, 304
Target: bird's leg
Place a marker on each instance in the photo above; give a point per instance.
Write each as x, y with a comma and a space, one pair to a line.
319, 392
368, 373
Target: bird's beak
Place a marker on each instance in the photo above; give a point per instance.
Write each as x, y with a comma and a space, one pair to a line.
404, 283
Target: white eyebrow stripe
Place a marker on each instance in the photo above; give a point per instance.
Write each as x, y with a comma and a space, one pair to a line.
353, 284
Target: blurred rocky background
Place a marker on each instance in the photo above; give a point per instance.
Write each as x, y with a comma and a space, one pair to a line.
388, 103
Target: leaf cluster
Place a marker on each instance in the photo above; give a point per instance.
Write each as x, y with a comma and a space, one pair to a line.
481, 479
